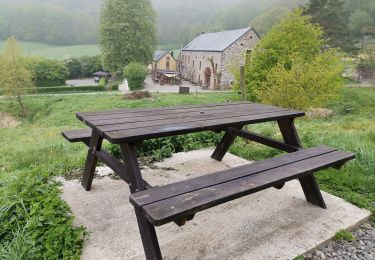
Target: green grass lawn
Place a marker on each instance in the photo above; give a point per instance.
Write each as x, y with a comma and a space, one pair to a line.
36, 223
45, 50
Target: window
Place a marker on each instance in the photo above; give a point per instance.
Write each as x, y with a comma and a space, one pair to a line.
200, 64
193, 63
215, 66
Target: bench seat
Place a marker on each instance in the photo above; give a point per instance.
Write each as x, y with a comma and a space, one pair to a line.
78, 135
180, 200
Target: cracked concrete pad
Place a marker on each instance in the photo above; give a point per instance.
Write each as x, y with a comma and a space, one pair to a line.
271, 224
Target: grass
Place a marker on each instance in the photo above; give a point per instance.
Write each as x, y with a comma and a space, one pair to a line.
344, 235
36, 219
49, 51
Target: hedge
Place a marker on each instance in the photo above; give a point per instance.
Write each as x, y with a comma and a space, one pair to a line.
70, 89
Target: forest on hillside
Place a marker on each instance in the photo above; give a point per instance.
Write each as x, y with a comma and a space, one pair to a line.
71, 22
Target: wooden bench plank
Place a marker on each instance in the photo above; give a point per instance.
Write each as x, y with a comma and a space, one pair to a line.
182, 205
178, 188
79, 135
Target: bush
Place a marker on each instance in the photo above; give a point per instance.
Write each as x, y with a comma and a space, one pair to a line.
137, 95
70, 89
161, 148
84, 66
47, 73
289, 68
136, 74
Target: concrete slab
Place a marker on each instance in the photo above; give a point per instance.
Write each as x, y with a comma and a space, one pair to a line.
271, 224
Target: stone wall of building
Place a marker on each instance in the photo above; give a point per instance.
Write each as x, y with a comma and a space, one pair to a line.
195, 65
234, 57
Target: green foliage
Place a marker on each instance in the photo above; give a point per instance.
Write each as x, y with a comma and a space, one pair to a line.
102, 82
83, 66
15, 77
344, 235
54, 21
136, 74
161, 148
35, 222
128, 33
333, 16
288, 68
77, 89
264, 22
360, 21
47, 72
304, 85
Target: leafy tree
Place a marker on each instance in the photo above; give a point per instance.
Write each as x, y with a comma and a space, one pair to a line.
16, 79
47, 73
128, 33
288, 67
74, 66
91, 64
334, 18
263, 22
359, 22
136, 74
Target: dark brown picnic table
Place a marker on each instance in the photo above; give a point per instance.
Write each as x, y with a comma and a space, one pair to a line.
159, 205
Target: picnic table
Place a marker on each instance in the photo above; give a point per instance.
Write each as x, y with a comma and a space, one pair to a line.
179, 202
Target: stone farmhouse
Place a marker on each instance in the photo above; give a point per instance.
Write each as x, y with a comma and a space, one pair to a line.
164, 68
207, 59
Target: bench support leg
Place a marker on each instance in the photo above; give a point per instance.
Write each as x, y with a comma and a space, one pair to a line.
91, 160
227, 140
309, 185
146, 229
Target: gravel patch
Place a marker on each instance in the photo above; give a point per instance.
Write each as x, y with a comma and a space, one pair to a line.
363, 247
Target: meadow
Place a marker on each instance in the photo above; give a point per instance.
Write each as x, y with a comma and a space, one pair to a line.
36, 49
37, 223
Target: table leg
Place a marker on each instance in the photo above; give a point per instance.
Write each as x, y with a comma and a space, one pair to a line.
309, 185
91, 160
146, 229
225, 143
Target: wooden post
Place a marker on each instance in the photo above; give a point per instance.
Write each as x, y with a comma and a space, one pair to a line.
243, 92
242, 83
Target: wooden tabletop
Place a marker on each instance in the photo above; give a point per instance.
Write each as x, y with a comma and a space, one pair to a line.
130, 125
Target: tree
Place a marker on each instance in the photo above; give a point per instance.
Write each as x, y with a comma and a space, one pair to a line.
360, 21
288, 67
334, 18
16, 79
128, 32
263, 22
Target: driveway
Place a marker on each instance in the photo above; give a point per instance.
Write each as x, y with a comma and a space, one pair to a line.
155, 87
81, 82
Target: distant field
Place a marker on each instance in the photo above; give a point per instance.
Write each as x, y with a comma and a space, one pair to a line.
36, 49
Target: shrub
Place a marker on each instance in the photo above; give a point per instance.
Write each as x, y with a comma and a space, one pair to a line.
289, 68
70, 89
46, 72
74, 66
136, 74
160, 148
102, 82
137, 95
84, 66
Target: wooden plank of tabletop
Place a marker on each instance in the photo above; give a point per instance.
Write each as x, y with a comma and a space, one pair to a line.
147, 115
116, 125
137, 134
136, 110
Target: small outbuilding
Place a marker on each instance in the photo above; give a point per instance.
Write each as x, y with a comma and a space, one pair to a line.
164, 68
101, 74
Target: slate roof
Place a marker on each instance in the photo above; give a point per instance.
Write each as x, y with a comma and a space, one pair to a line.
158, 55
217, 41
